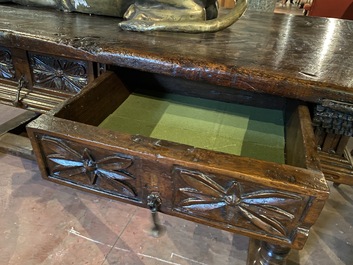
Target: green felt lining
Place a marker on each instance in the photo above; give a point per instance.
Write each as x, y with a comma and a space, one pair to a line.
214, 125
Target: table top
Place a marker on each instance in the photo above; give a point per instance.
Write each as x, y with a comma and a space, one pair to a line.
307, 58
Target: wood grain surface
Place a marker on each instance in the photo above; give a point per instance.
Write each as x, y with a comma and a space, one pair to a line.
299, 57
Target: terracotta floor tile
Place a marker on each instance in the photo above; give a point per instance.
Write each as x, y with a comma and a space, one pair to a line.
183, 242
42, 223
45, 223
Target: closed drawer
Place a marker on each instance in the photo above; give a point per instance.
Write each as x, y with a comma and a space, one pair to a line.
39, 81
247, 169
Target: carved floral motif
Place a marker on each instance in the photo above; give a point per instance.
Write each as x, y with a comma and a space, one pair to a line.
6, 66
59, 74
200, 193
78, 165
334, 117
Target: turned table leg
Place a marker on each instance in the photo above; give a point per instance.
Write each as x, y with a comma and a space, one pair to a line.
263, 253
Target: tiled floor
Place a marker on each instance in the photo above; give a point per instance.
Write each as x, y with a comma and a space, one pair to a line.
42, 223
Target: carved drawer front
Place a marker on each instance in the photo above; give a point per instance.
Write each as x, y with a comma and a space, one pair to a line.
333, 122
274, 201
7, 70
40, 82
59, 74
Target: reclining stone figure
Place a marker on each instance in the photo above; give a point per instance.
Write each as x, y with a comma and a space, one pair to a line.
152, 15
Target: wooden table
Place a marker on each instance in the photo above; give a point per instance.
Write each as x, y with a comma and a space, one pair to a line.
263, 59
289, 56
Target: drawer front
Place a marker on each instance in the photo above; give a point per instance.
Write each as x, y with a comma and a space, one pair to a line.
39, 82
58, 74
7, 70
255, 198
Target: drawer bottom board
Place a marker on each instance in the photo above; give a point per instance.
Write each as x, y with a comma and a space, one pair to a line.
209, 124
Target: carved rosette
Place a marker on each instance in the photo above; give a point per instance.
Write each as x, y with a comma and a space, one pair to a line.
237, 204
59, 74
92, 169
6, 66
334, 117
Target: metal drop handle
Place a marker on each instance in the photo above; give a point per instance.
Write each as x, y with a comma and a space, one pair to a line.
154, 202
18, 101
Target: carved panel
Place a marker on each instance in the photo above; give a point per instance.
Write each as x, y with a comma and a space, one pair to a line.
334, 117
238, 204
58, 73
6, 65
93, 169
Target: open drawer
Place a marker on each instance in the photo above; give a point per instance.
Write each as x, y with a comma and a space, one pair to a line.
249, 170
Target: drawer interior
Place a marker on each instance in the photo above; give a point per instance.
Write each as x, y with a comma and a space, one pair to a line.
204, 123
229, 121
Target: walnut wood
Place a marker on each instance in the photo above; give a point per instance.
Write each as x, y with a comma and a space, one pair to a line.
281, 67
265, 53
16, 145
33, 100
342, 144
174, 171
320, 135
263, 60
333, 122
71, 75
338, 168
263, 253
17, 121
330, 143
99, 99
138, 79
20, 61
300, 144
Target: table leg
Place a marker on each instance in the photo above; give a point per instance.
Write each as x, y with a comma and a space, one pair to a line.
263, 253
